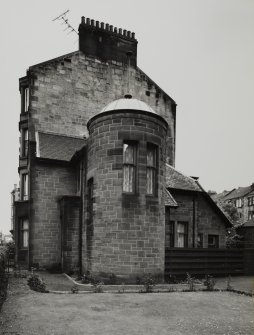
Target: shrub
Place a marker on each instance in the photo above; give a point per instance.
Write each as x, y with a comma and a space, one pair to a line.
209, 283
190, 281
36, 283
97, 287
112, 279
149, 283
3, 275
74, 289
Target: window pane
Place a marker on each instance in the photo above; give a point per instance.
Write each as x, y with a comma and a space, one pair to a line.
151, 157
25, 239
128, 151
128, 178
182, 235
25, 224
149, 181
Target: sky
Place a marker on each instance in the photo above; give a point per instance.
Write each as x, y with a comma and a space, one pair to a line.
200, 52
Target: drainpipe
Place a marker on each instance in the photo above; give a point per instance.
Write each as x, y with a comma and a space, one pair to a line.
81, 215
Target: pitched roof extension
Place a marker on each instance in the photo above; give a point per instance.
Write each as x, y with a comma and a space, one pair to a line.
177, 180
169, 200
58, 147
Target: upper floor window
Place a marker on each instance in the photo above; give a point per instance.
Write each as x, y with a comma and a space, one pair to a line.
251, 201
24, 186
182, 234
151, 165
213, 241
129, 167
24, 142
24, 231
24, 99
239, 202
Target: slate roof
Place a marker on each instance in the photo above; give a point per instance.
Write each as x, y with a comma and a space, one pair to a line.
177, 180
169, 200
58, 147
220, 196
239, 193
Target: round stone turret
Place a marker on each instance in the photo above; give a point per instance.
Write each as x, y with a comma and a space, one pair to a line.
126, 157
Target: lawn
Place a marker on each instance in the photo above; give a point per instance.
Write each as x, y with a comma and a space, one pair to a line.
176, 313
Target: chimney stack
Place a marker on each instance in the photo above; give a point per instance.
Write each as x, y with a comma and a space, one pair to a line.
106, 42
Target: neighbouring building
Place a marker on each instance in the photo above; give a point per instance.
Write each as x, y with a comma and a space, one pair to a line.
98, 188
241, 198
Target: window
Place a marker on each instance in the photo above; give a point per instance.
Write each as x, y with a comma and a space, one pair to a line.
251, 201
151, 169
170, 234
24, 142
24, 231
24, 186
250, 215
213, 241
182, 234
239, 202
24, 99
129, 167
200, 241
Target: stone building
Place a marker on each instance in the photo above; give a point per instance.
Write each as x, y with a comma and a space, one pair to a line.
242, 198
97, 152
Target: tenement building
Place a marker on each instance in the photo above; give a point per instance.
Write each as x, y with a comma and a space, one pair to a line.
98, 187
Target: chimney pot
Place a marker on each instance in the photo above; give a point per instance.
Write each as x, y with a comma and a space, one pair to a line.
92, 23
102, 25
83, 20
107, 26
124, 32
97, 24
129, 34
133, 35
88, 21
115, 30
120, 31
111, 28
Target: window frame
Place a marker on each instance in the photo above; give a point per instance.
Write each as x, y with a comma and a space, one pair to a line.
170, 234
214, 245
130, 166
23, 232
184, 234
24, 142
200, 242
153, 168
24, 186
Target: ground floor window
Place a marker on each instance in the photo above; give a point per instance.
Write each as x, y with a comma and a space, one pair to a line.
213, 241
182, 234
170, 241
24, 233
200, 241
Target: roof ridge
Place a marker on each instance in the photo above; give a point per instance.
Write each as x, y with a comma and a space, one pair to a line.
63, 135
